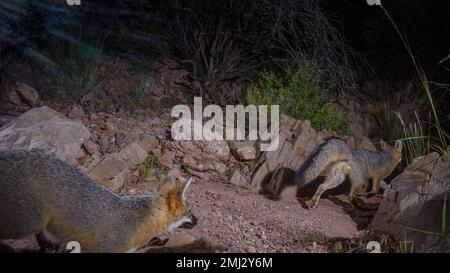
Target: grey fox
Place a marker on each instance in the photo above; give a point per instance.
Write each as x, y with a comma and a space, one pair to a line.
42, 193
336, 161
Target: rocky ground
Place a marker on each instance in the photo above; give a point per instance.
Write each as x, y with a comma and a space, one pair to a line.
130, 152
237, 219
232, 216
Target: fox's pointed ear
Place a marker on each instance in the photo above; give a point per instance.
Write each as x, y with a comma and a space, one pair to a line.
382, 144
398, 145
184, 188
167, 184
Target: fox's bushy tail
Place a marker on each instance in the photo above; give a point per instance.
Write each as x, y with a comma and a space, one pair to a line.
329, 151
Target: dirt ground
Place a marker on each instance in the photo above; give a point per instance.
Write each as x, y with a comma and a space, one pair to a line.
237, 219
232, 218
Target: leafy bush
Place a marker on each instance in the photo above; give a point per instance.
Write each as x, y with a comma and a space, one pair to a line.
302, 94
218, 41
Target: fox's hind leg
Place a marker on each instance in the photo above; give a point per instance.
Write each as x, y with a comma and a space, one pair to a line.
352, 193
334, 178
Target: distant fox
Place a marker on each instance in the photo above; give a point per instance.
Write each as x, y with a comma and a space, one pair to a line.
336, 161
41, 193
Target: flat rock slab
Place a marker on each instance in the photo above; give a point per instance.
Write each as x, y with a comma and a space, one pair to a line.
46, 130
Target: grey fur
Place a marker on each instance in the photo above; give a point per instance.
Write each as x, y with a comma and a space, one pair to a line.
33, 184
327, 152
362, 161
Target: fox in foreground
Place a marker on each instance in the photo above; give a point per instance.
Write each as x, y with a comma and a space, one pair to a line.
39, 192
336, 161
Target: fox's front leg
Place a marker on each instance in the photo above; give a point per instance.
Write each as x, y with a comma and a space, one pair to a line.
376, 183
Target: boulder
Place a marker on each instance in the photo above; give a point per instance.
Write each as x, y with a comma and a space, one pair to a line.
119, 180
47, 130
238, 179
76, 112
291, 123
113, 171
27, 93
149, 143
216, 149
285, 157
167, 159
203, 149
91, 162
351, 142
205, 159
196, 167
14, 97
6, 119
243, 150
220, 167
307, 139
134, 153
193, 163
414, 200
90, 146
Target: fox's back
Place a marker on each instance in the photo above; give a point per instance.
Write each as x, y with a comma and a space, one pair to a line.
371, 161
39, 189
40, 192
45, 174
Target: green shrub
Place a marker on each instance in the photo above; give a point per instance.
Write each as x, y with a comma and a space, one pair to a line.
148, 167
302, 94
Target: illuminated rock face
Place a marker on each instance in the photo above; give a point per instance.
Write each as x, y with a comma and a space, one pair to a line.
414, 200
46, 130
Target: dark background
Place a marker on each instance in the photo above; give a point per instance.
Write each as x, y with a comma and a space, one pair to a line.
364, 46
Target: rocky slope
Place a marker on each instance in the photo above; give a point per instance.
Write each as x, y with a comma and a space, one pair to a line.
131, 153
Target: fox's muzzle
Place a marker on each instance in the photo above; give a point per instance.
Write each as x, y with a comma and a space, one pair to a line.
190, 224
